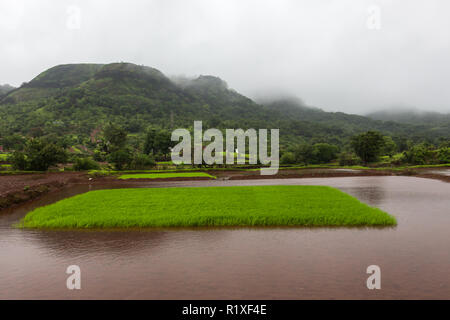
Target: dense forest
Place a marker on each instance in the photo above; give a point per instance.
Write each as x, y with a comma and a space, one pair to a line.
71, 105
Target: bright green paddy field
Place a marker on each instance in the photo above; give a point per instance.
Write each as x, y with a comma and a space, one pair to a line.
208, 207
166, 175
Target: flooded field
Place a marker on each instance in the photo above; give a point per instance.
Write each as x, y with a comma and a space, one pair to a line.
242, 263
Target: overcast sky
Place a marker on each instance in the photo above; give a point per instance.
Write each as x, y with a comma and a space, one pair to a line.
345, 55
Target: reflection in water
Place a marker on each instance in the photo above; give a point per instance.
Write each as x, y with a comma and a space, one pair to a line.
124, 242
69, 243
373, 195
273, 263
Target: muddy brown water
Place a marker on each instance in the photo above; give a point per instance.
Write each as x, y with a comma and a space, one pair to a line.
244, 263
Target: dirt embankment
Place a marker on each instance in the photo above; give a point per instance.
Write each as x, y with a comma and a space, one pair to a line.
434, 176
16, 189
308, 173
331, 173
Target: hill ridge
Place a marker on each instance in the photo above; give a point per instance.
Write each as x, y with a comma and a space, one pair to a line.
74, 99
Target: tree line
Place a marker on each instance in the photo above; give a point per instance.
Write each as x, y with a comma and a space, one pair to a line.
117, 147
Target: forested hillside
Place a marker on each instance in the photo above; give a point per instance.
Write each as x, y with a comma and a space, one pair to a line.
72, 102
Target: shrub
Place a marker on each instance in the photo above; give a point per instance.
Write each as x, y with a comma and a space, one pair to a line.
99, 173
18, 161
324, 152
348, 159
84, 164
120, 158
287, 158
304, 153
444, 155
38, 155
142, 161
99, 155
368, 146
419, 155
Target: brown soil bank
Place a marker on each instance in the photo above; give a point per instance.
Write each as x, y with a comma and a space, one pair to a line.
331, 173
433, 176
310, 173
20, 188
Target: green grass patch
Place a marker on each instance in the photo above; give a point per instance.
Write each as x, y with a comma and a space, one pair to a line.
18, 172
443, 165
164, 162
5, 167
166, 175
208, 207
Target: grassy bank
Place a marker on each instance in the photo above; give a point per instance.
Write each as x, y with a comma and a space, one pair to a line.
208, 206
166, 175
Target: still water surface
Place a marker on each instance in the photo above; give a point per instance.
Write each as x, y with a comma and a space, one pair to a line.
245, 263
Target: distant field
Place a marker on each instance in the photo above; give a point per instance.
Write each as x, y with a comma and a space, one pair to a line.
208, 206
166, 175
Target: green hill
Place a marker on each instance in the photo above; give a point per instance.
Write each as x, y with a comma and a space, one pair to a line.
343, 123
75, 99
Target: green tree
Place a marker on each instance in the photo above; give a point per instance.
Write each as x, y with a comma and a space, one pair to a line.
120, 158
13, 142
38, 155
84, 164
304, 153
324, 152
390, 147
142, 161
115, 137
347, 159
149, 144
420, 154
18, 160
287, 158
157, 142
163, 142
43, 155
444, 155
368, 146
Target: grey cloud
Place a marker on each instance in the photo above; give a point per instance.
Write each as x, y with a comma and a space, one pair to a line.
320, 51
